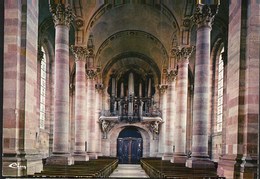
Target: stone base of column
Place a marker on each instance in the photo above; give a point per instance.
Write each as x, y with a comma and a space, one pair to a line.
179, 159
81, 157
93, 155
21, 164
203, 163
99, 154
59, 159
160, 155
233, 165
167, 156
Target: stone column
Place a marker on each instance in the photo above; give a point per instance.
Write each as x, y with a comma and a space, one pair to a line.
171, 115
149, 87
203, 17
162, 130
62, 17
99, 91
91, 99
113, 91
80, 118
120, 110
122, 90
131, 94
91, 120
180, 155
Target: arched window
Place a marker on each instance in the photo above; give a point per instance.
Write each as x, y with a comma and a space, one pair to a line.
220, 91
42, 89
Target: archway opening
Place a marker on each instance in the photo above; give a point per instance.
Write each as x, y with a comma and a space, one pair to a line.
129, 146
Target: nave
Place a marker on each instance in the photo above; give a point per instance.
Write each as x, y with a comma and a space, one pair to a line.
129, 171
110, 167
163, 83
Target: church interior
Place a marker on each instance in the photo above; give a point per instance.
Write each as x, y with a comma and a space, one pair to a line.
171, 85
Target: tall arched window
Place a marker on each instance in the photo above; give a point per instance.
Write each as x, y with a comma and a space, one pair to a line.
220, 92
43, 89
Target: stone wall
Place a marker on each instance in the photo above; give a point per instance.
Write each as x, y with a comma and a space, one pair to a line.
21, 134
239, 160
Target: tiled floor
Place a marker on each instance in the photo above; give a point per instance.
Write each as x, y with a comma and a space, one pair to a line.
129, 171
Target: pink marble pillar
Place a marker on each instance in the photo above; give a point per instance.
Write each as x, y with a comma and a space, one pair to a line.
240, 157
203, 17
162, 130
62, 17
171, 115
180, 155
92, 122
80, 118
99, 91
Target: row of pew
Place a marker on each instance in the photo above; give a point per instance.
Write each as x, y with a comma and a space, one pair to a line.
157, 168
98, 168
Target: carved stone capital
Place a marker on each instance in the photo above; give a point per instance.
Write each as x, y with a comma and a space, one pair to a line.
91, 74
171, 75
204, 15
79, 52
183, 53
61, 15
162, 88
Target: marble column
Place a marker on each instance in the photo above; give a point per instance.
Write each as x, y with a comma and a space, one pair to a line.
203, 17
80, 118
91, 120
171, 115
180, 155
62, 17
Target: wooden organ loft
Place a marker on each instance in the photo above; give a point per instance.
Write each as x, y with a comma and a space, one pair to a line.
131, 99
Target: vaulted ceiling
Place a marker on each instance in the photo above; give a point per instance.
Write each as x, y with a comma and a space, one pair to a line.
130, 34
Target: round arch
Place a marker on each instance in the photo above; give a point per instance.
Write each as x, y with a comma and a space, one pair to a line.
149, 145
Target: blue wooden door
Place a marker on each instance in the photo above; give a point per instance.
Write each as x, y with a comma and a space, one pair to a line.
129, 150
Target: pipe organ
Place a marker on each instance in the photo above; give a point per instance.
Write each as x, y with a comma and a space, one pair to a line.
127, 100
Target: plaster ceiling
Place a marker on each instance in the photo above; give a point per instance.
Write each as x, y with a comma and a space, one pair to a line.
132, 28
131, 33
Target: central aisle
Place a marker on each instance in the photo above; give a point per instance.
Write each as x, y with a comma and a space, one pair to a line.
129, 171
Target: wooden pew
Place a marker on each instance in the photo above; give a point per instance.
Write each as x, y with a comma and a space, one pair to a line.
99, 168
157, 168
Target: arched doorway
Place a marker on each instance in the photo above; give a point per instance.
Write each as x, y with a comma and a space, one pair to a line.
129, 146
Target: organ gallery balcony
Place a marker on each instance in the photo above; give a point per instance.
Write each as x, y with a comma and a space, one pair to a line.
143, 111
